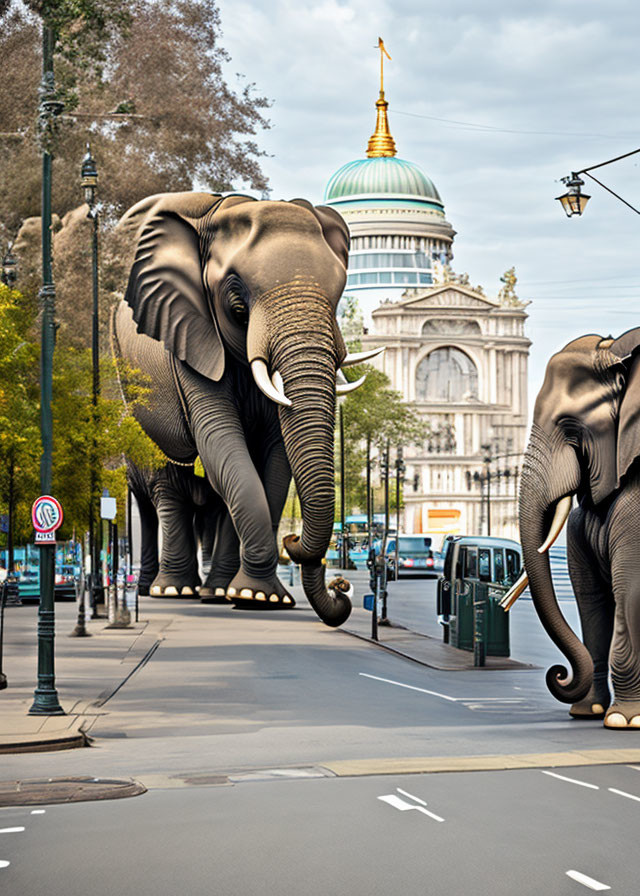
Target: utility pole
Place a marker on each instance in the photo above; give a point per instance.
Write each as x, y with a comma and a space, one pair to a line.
400, 471
344, 541
45, 695
383, 578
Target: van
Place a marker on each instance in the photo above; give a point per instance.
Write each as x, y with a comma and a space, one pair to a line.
468, 561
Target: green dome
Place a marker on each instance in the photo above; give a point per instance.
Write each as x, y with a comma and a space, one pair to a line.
383, 177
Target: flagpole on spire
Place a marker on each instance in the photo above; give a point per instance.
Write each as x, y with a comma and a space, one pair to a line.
381, 143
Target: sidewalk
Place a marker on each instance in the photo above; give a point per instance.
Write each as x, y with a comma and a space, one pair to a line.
90, 670
87, 671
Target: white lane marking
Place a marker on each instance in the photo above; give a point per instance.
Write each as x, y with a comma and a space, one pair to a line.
636, 768
400, 804
4, 864
411, 796
571, 780
38, 811
410, 687
11, 830
629, 796
587, 881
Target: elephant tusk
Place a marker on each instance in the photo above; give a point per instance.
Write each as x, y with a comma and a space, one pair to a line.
563, 509
514, 592
261, 376
278, 382
361, 357
343, 386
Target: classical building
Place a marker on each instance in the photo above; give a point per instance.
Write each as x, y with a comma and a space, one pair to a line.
458, 357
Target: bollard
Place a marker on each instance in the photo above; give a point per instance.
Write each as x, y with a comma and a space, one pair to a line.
3, 598
479, 628
80, 631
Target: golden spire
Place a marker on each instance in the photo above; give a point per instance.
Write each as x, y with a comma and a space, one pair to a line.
381, 143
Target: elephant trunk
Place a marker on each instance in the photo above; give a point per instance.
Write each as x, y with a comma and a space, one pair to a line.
551, 471
302, 349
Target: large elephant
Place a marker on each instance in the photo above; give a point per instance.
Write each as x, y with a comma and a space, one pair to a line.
230, 310
585, 440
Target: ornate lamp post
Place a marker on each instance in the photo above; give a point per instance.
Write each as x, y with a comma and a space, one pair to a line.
89, 183
45, 695
9, 264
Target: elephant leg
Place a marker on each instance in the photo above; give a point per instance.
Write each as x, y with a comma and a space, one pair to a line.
178, 573
596, 607
221, 443
148, 542
225, 562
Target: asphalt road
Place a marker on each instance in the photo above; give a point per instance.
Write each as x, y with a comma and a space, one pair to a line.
250, 696
503, 833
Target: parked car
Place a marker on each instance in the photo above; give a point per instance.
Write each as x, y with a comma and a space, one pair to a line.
416, 556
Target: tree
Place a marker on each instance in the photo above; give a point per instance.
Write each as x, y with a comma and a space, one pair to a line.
154, 102
374, 414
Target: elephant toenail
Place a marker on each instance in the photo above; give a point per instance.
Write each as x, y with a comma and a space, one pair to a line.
171, 589
635, 722
156, 589
615, 720
273, 598
187, 590
260, 595
286, 599
231, 592
246, 592
219, 592
597, 708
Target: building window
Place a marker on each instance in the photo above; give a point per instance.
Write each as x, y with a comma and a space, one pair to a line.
447, 374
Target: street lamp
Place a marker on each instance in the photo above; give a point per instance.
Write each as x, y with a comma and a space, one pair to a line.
573, 201
9, 264
89, 183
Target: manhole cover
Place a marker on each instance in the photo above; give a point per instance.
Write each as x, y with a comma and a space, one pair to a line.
39, 791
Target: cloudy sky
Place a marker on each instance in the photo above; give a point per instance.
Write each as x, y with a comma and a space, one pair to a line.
496, 101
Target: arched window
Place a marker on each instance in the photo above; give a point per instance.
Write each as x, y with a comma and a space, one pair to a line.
446, 374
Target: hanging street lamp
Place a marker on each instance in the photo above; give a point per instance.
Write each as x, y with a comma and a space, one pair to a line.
573, 201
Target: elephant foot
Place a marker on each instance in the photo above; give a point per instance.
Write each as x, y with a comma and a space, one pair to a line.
247, 593
165, 585
623, 715
209, 595
593, 706
143, 589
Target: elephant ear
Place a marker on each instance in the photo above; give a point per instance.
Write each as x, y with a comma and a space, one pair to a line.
334, 228
627, 348
166, 289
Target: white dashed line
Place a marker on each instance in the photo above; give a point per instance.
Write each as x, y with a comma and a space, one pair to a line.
410, 687
11, 830
572, 780
38, 811
629, 796
4, 864
581, 878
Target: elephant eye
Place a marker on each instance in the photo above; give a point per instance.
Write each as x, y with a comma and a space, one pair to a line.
238, 307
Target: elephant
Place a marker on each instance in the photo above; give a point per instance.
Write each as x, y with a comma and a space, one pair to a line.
189, 514
584, 442
230, 311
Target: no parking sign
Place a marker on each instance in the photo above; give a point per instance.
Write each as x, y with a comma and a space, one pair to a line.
46, 516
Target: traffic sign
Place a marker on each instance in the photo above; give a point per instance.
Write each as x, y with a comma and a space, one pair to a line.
46, 514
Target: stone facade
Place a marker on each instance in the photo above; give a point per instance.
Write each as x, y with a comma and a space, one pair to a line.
460, 359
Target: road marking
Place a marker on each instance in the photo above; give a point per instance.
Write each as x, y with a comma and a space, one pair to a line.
11, 830
38, 811
629, 796
587, 881
636, 768
411, 796
400, 804
4, 864
410, 687
571, 780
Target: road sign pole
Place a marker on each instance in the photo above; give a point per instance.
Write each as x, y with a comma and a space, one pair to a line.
45, 695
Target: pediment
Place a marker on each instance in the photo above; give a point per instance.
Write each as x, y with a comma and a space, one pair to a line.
447, 296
